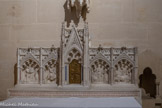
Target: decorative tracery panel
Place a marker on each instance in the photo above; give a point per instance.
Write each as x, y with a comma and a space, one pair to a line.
123, 72
30, 72
74, 54
100, 72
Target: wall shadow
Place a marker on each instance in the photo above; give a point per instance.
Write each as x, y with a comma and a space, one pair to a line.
15, 74
71, 15
148, 82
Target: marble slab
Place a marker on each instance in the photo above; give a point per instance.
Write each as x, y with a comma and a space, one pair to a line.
72, 102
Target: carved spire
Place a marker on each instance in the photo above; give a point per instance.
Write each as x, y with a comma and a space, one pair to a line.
79, 5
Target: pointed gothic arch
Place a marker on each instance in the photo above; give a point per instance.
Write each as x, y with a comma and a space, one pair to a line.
73, 38
123, 56
100, 56
27, 57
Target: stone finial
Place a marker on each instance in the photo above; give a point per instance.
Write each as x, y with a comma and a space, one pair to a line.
124, 48
29, 49
100, 48
52, 48
72, 24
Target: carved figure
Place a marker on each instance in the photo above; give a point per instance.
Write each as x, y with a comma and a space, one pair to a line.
51, 75
50, 72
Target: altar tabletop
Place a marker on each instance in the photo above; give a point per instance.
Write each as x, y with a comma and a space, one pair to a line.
72, 102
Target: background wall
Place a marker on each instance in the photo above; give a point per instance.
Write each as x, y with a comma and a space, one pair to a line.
112, 23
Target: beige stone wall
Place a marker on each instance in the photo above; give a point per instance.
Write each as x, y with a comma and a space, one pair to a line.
112, 23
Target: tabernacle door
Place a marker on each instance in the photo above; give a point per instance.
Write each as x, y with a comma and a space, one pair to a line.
75, 72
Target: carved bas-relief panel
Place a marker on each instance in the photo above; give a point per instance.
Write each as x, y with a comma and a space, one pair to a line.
37, 65
100, 65
100, 72
30, 72
118, 65
28, 66
123, 72
50, 74
125, 65
50, 65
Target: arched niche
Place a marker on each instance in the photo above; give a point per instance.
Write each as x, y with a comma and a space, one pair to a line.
148, 82
123, 72
100, 72
73, 66
30, 72
75, 72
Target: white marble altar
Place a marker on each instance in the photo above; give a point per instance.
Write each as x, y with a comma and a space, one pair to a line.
75, 69
101, 72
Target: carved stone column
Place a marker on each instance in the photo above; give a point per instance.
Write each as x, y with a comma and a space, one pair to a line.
111, 68
86, 80
41, 68
136, 67
18, 67
157, 89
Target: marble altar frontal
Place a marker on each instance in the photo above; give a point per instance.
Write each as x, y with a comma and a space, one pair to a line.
75, 69
72, 102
